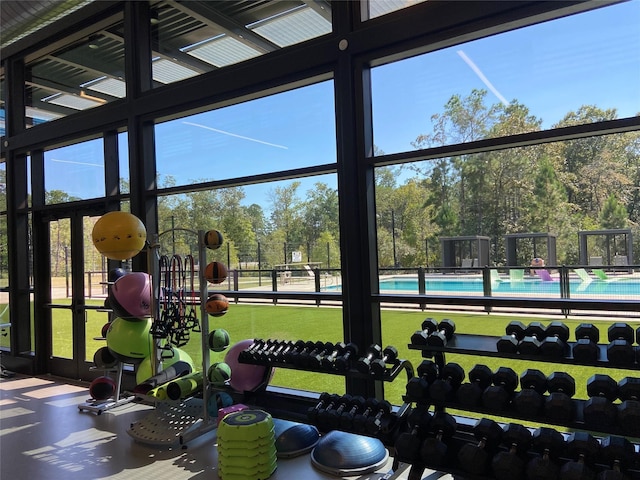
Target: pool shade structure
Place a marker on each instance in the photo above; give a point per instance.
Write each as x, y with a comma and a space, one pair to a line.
457, 251
521, 248
606, 247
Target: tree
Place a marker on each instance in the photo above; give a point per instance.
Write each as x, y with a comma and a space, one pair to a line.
613, 215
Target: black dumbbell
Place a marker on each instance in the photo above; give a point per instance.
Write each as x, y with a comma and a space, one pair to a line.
379, 421
389, 356
558, 405
508, 465
599, 411
343, 362
433, 450
364, 363
300, 347
534, 334
314, 359
586, 349
418, 386
583, 449
446, 329
247, 354
346, 419
325, 399
550, 446
300, 359
496, 397
620, 349
261, 354
429, 325
275, 354
332, 417
514, 334
469, 394
555, 342
372, 405
474, 457
407, 445
327, 360
617, 453
529, 400
451, 376
326, 413
629, 408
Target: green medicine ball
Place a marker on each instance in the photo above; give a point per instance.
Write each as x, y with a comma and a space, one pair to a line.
219, 339
219, 373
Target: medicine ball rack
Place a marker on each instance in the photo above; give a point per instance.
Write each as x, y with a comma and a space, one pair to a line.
486, 346
173, 422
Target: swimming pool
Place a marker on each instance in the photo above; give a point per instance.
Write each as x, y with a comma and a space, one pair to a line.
616, 287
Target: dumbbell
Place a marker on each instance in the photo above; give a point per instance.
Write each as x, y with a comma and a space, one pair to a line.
496, 397
418, 386
343, 362
275, 354
534, 334
372, 405
429, 325
439, 338
260, 355
300, 347
586, 349
554, 344
407, 445
247, 353
346, 419
469, 394
514, 334
529, 400
620, 349
327, 360
474, 457
599, 411
629, 408
433, 450
451, 376
617, 453
376, 423
364, 363
332, 417
379, 365
550, 446
509, 465
327, 400
314, 358
583, 448
558, 405
299, 357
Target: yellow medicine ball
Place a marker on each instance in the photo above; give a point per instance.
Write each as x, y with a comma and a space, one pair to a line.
119, 235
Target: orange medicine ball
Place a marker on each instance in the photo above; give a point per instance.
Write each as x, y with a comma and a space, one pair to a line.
215, 272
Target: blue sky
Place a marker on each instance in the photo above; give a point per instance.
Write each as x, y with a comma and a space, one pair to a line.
552, 68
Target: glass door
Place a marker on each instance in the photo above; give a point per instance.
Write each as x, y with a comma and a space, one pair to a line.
78, 291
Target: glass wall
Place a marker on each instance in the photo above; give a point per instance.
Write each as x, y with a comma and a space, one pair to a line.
579, 69
289, 130
74, 173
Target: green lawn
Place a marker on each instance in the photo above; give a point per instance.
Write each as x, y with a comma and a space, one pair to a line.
325, 324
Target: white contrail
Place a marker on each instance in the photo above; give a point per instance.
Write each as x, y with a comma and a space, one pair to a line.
77, 163
480, 75
235, 135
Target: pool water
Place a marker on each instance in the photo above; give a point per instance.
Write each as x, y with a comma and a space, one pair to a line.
474, 285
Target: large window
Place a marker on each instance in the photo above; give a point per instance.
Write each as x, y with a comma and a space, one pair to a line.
580, 69
75, 172
289, 130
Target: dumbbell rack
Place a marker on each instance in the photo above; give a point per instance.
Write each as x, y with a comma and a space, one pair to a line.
486, 346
